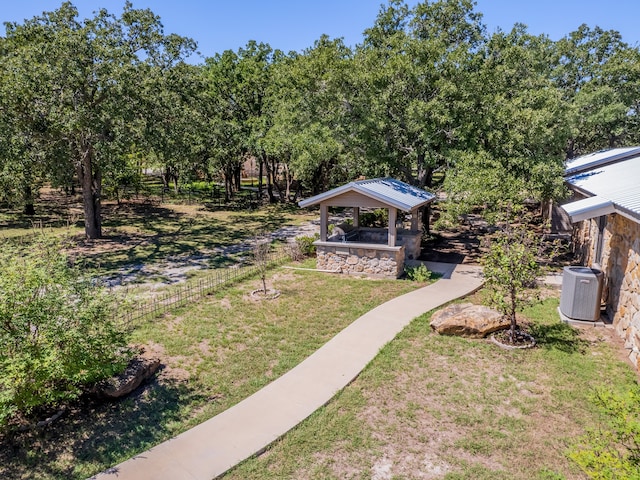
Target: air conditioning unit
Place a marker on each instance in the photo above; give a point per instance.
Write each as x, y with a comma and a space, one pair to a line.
581, 293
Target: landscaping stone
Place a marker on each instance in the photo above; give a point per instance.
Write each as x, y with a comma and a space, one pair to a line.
468, 320
139, 370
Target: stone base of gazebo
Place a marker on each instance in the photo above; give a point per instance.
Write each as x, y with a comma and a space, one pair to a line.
361, 258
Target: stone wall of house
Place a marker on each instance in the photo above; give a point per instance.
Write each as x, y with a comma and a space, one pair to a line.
353, 259
621, 266
584, 234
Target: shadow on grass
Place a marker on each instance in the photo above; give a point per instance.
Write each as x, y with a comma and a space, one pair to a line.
558, 336
94, 436
172, 234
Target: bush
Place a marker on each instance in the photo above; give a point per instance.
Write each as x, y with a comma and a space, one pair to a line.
379, 218
613, 450
57, 330
306, 246
418, 274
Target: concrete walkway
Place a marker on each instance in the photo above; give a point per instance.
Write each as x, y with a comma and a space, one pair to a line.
213, 447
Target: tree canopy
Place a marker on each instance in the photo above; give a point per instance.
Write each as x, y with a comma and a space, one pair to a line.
428, 95
84, 79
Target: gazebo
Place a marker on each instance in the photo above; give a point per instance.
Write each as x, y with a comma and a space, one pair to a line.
380, 252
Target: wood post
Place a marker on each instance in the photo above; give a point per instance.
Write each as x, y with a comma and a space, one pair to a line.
415, 220
324, 218
393, 213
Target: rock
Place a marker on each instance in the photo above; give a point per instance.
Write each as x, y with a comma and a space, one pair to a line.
138, 371
468, 320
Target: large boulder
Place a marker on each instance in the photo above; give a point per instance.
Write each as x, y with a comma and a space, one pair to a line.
139, 370
468, 320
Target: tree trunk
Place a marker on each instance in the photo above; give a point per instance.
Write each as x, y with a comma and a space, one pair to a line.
274, 181
288, 179
260, 185
570, 149
237, 177
512, 315
426, 221
91, 182
426, 180
29, 208
272, 198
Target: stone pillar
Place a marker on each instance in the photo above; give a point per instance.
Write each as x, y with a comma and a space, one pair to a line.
324, 219
356, 217
393, 213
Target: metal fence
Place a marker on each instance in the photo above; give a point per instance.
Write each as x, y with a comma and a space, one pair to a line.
187, 292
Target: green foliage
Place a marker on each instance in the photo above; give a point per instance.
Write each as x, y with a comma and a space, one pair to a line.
511, 268
310, 109
306, 246
57, 330
516, 134
613, 450
598, 75
414, 75
82, 92
418, 274
379, 218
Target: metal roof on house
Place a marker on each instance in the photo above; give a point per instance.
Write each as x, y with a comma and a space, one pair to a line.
388, 191
589, 207
611, 176
599, 159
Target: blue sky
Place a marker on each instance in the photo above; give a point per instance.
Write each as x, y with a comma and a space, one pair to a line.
294, 24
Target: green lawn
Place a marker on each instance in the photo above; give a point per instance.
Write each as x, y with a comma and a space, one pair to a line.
215, 353
426, 407
147, 232
431, 406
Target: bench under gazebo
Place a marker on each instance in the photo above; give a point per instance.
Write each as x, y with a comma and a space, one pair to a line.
380, 252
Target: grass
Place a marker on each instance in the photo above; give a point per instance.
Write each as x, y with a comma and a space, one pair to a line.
215, 353
137, 233
431, 406
179, 231
427, 406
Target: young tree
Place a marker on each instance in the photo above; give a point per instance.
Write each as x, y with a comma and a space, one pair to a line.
261, 251
58, 332
511, 269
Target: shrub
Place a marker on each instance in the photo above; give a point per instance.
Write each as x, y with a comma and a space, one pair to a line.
379, 218
418, 274
613, 450
306, 246
57, 330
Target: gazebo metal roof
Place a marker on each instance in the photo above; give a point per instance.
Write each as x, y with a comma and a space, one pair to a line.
387, 191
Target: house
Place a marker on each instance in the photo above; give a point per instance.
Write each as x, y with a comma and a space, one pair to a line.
353, 249
605, 211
